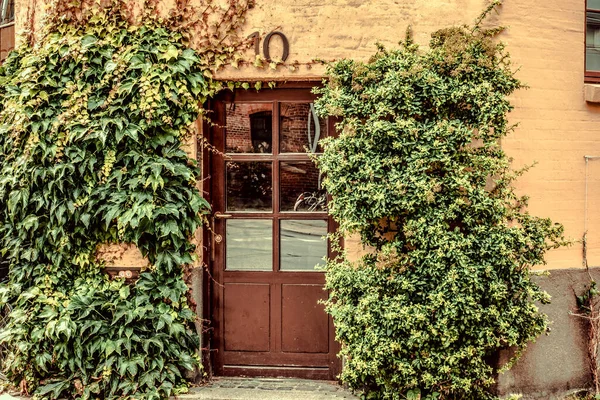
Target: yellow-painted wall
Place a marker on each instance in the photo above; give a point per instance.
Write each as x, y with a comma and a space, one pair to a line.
546, 40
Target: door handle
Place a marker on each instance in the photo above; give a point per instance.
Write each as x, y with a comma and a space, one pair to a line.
216, 238
218, 215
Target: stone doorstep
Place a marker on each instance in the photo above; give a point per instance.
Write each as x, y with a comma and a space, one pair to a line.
267, 389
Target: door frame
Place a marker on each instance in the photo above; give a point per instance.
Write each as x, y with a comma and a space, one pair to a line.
212, 274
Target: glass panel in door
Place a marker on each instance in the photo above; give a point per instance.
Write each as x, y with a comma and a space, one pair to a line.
249, 245
249, 186
300, 187
249, 128
302, 244
300, 129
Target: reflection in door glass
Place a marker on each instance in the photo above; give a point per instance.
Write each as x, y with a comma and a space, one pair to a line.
302, 244
300, 128
249, 128
300, 187
249, 245
249, 186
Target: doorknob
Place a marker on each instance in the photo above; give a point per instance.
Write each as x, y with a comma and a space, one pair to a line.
216, 238
218, 215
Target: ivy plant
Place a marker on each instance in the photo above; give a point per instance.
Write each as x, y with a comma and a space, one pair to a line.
419, 173
92, 120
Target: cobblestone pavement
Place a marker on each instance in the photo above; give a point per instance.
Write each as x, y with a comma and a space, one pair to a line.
268, 389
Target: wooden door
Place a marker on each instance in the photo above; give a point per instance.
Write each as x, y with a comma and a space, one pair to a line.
269, 228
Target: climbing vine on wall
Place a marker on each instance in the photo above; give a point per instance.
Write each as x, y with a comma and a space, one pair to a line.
418, 171
93, 115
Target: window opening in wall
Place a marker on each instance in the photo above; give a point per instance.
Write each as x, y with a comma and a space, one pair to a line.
7, 12
7, 27
260, 131
592, 41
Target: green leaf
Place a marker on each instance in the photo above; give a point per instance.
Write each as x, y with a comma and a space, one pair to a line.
31, 221
171, 53
124, 292
169, 228
55, 388
138, 62
85, 219
88, 41
110, 66
126, 86
109, 348
94, 102
132, 368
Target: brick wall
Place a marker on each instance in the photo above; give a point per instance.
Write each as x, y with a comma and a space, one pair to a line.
297, 178
556, 126
239, 138
293, 125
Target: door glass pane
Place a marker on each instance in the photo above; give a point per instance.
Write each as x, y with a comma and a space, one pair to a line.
300, 128
249, 186
300, 187
592, 42
248, 128
249, 245
593, 4
302, 244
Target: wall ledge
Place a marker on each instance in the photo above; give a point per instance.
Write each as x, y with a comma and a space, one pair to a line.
592, 92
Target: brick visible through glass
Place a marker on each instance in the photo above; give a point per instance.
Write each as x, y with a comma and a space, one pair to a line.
249, 128
300, 187
295, 134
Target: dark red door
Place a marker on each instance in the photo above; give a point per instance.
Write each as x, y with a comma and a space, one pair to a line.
269, 228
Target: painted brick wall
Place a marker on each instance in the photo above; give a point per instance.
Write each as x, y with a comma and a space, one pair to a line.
546, 41
557, 127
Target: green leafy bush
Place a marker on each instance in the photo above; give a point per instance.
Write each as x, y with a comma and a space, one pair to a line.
92, 120
419, 173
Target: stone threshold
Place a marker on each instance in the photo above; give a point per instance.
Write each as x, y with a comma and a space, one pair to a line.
224, 388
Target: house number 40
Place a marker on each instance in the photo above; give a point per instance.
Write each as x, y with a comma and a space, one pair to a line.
267, 42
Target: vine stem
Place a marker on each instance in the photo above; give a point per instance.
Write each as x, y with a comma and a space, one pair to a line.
593, 345
592, 316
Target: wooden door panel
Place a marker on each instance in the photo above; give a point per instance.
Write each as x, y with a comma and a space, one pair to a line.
269, 217
246, 317
308, 360
278, 372
305, 327
313, 278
